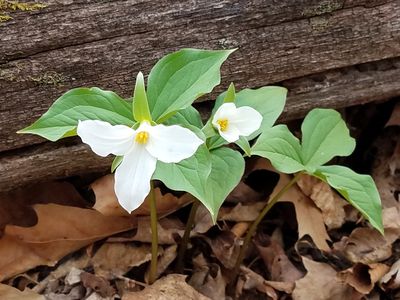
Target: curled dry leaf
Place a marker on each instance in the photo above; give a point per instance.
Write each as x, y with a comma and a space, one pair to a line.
241, 213
115, 259
107, 203
203, 221
320, 283
9, 293
98, 284
276, 261
168, 230
363, 277
250, 280
167, 256
172, 286
60, 230
391, 280
330, 204
207, 279
226, 247
309, 217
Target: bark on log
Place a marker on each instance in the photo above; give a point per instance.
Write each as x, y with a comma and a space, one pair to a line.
331, 53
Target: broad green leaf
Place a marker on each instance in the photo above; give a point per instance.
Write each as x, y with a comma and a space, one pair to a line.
189, 175
186, 116
227, 170
324, 136
141, 110
216, 142
208, 176
181, 77
81, 104
230, 94
269, 101
281, 147
359, 190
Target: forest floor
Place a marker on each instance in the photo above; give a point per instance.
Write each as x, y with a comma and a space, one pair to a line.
71, 240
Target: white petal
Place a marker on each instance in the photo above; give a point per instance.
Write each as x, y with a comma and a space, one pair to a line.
231, 134
104, 138
171, 144
247, 120
226, 111
132, 177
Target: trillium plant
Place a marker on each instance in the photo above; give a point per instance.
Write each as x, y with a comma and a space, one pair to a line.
158, 135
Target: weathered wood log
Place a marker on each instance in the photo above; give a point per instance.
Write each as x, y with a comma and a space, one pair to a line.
348, 51
337, 88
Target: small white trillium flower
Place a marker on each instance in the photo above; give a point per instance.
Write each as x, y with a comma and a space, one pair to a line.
140, 148
233, 122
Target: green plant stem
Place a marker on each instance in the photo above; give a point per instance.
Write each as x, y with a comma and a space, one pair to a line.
253, 226
154, 236
185, 239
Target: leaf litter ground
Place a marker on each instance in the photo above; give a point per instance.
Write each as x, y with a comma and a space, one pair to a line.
56, 244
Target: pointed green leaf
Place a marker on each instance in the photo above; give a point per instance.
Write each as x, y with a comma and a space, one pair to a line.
230, 94
81, 104
208, 176
186, 116
181, 77
141, 110
359, 190
189, 175
324, 136
281, 147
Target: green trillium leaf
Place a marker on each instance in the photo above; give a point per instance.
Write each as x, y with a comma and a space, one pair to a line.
359, 190
77, 105
324, 136
180, 78
281, 147
208, 175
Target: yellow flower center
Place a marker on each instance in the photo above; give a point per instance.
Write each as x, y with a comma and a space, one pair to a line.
142, 137
223, 124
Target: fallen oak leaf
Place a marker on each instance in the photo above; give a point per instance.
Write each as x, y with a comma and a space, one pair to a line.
172, 286
60, 230
363, 277
330, 203
9, 293
320, 283
107, 203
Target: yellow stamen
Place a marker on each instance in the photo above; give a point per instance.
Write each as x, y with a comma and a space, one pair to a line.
223, 124
142, 137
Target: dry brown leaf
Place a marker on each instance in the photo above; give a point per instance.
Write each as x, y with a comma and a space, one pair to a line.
207, 279
309, 217
391, 280
169, 287
166, 258
107, 203
168, 230
203, 221
59, 231
250, 280
16, 206
363, 277
9, 293
330, 204
241, 213
98, 284
276, 261
226, 247
320, 283
243, 193
115, 259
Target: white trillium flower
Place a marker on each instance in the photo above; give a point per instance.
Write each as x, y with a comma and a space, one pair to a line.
140, 148
232, 121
